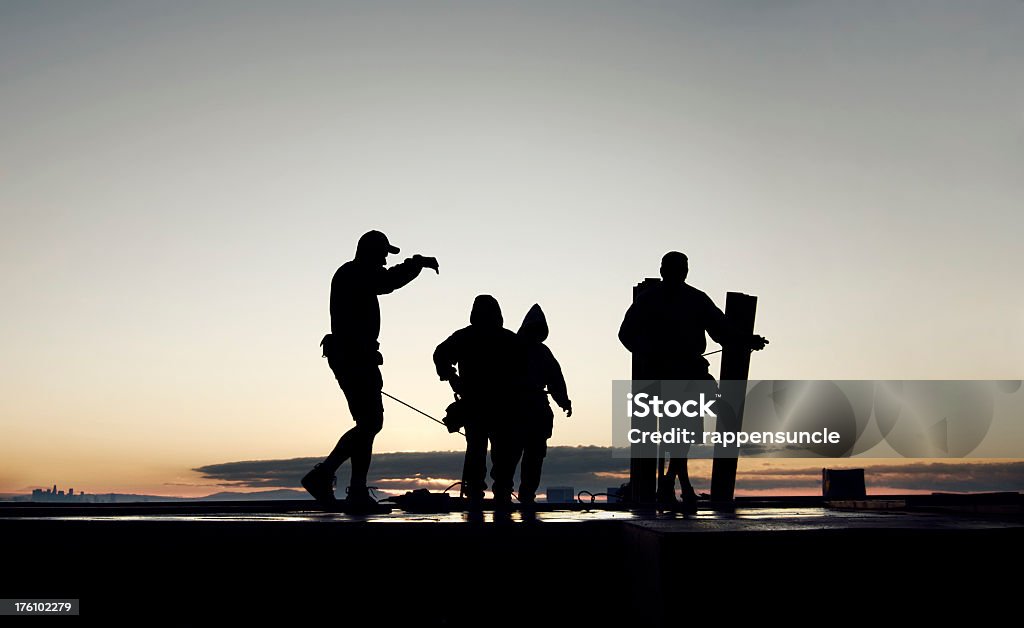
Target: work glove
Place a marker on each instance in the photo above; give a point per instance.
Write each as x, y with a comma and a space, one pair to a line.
427, 262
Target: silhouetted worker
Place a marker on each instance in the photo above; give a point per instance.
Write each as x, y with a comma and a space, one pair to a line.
664, 329
352, 353
488, 378
543, 377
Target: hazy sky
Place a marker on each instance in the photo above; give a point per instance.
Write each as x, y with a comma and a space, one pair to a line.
179, 181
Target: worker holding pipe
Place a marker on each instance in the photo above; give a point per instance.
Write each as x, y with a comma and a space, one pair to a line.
665, 330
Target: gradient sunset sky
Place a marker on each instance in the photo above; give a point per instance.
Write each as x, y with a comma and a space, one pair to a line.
179, 182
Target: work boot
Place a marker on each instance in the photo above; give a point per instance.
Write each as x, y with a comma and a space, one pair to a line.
528, 501
320, 484
503, 501
689, 502
474, 497
667, 493
475, 502
359, 502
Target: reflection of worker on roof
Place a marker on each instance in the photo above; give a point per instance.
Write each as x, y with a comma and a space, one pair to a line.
483, 364
543, 377
665, 330
351, 351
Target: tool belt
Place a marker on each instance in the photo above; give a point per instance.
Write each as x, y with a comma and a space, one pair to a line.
337, 351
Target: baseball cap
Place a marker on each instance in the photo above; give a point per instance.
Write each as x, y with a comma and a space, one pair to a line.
375, 241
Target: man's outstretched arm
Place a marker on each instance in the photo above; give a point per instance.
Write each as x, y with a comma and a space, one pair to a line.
393, 278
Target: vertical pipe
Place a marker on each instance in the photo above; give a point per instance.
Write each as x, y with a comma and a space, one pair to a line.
739, 310
643, 467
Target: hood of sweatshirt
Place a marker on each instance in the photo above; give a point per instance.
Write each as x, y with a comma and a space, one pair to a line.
486, 312
535, 325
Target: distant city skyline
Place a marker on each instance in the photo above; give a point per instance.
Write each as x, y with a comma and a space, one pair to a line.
593, 469
179, 182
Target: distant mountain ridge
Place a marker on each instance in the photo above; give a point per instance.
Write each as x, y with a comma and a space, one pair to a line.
280, 493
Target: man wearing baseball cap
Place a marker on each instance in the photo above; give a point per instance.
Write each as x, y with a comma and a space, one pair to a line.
352, 352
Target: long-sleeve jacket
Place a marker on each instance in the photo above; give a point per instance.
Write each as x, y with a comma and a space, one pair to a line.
355, 310
489, 361
542, 369
666, 324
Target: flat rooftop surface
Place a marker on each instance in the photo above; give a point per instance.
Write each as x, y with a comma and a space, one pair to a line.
449, 569
762, 517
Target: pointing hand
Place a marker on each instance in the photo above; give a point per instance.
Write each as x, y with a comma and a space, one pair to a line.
428, 262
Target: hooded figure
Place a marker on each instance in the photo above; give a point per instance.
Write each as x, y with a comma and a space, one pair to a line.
484, 364
543, 378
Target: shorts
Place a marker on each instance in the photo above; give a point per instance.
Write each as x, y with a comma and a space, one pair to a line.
362, 384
